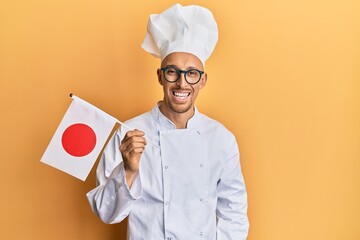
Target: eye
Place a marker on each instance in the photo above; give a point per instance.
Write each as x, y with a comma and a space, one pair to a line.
171, 71
193, 73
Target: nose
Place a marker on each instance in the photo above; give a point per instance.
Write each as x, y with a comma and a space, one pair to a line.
181, 82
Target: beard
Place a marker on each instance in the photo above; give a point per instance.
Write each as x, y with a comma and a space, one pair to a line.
183, 108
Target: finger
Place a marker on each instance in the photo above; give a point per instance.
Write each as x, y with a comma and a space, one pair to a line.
133, 136
133, 140
133, 148
132, 143
134, 132
129, 140
135, 145
136, 151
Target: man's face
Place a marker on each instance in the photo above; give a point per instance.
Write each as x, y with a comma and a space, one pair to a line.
180, 96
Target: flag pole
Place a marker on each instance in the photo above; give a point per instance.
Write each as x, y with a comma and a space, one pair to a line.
129, 128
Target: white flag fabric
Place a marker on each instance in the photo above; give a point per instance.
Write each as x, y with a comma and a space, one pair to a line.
79, 139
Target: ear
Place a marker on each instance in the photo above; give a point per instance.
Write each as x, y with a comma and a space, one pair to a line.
203, 80
158, 72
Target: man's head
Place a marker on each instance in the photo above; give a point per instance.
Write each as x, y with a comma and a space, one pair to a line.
182, 76
183, 38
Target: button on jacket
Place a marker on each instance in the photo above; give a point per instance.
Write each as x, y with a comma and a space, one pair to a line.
189, 188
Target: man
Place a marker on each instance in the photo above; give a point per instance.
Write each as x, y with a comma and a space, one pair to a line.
187, 184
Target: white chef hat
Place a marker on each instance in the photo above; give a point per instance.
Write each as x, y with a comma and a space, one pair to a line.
190, 29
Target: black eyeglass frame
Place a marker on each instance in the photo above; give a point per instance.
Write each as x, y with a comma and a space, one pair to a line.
179, 72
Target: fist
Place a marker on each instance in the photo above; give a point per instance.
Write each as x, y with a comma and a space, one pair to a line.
131, 148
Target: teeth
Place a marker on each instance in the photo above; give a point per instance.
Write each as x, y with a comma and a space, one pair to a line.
181, 94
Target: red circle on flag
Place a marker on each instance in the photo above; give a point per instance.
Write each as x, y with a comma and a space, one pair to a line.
78, 140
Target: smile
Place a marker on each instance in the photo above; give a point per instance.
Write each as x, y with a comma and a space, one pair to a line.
180, 95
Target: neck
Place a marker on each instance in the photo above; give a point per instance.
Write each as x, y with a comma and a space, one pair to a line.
179, 119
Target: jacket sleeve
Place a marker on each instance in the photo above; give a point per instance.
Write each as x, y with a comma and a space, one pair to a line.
112, 199
231, 209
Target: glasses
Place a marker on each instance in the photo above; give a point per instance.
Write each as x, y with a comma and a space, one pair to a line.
172, 74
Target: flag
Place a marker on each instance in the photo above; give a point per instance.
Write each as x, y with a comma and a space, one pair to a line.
79, 139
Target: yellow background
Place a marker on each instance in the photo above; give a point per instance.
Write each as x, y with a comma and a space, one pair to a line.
284, 77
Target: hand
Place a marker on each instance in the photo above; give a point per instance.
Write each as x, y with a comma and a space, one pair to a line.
132, 146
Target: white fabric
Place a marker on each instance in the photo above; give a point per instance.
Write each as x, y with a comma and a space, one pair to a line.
190, 29
82, 112
191, 188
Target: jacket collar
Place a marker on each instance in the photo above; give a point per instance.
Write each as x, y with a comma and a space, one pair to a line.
166, 124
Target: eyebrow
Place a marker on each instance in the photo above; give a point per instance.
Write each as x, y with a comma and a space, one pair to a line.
188, 68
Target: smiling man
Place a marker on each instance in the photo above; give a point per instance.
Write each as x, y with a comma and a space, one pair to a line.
190, 186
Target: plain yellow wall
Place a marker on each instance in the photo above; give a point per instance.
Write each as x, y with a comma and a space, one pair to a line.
284, 77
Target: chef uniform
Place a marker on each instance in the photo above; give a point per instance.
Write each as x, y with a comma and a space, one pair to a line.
189, 185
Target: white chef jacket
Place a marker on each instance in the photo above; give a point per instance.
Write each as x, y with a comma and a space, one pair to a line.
190, 188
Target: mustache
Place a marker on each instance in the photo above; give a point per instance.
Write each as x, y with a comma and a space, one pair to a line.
181, 89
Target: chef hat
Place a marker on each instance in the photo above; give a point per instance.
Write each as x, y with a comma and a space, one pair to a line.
190, 29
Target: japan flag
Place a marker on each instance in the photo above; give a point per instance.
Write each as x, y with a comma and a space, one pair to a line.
79, 139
